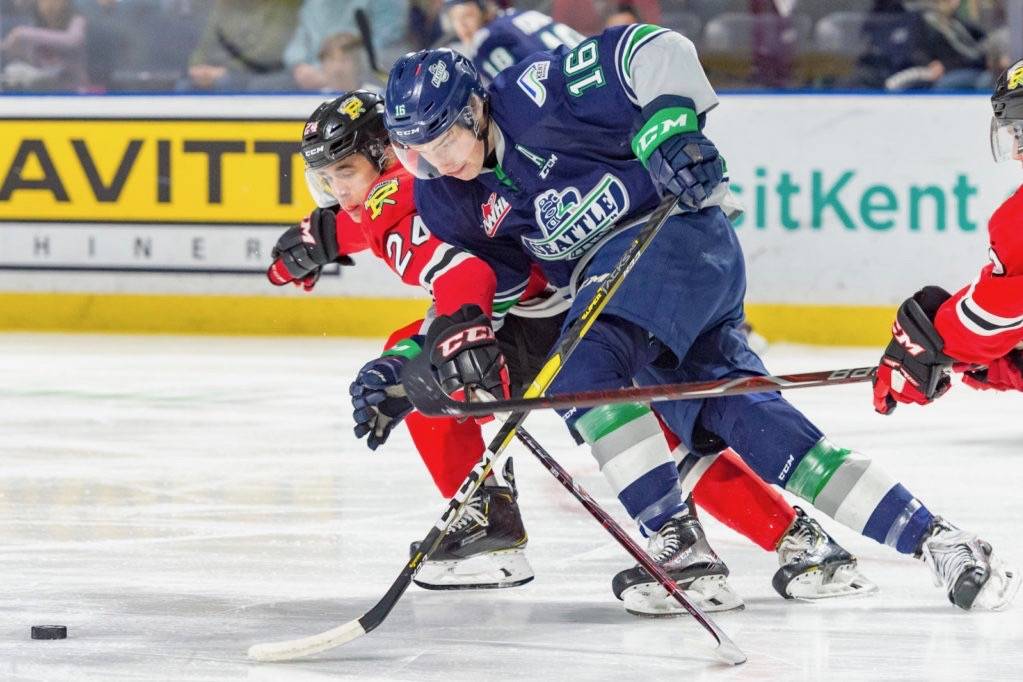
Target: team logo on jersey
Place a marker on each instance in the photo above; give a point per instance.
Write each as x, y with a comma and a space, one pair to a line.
531, 82
439, 71
494, 211
380, 196
572, 223
352, 108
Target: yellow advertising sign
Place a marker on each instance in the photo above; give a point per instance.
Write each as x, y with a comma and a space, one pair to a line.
151, 170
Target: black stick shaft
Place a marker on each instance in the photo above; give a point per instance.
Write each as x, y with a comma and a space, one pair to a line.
728, 648
435, 402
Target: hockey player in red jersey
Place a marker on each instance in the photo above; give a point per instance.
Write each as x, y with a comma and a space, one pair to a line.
978, 330
349, 168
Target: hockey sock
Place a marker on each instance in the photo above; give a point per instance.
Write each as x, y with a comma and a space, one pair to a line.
449, 448
784, 447
731, 492
859, 493
627, 442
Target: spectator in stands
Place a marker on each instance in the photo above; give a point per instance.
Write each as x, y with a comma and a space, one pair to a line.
623, 14
426, 23
341, 58
589, 16
321, 18
242, 45
948, 52
49, 54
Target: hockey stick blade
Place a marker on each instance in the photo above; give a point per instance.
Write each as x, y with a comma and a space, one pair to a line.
430, 399
307, 646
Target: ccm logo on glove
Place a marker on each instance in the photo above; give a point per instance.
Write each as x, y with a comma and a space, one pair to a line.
903, 339
451, 345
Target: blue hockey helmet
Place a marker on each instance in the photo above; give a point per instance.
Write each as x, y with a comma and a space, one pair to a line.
429, 92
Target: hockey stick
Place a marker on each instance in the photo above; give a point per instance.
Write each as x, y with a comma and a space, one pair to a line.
281, 651
366, 33
726, 647
430, 399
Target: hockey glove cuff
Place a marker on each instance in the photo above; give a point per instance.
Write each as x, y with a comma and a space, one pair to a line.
465, 355
679, 157
378, 397
913, 368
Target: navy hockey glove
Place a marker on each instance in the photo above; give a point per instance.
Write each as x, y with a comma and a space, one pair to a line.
465, 355
303, 250
913, 369
378, 396
680, 158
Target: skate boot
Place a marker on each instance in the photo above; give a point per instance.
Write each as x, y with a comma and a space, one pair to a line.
814, 566
484, 548
681, 548
965, 566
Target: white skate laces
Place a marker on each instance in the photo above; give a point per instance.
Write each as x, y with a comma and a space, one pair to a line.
664, 544
471, 512
950, 552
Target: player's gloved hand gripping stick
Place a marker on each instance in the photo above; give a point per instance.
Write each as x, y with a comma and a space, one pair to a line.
376, 615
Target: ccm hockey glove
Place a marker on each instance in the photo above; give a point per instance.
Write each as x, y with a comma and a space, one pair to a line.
465, 355
378, 397
303, 250
913, 368
1001, 374
680, 158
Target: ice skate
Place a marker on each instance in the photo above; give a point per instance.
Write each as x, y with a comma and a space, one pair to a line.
681, 548
814, 566
965, 566
483, 549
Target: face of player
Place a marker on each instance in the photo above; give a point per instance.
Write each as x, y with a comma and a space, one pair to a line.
457, 153
349, 181
466, 18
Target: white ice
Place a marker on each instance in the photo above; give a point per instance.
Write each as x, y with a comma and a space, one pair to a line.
174, 500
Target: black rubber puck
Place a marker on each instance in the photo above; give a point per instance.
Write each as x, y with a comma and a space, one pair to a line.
49, 632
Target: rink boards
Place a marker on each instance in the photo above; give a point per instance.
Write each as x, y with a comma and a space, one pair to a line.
157, 214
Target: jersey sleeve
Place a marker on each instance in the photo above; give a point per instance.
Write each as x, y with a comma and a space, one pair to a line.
984, 320
652, 61
350, 237
399, 235
451, 275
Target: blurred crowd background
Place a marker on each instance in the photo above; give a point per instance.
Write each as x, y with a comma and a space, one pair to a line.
111, 46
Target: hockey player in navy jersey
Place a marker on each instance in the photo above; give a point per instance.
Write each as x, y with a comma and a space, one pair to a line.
567, 153
495, 39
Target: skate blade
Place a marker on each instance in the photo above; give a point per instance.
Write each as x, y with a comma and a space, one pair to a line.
814, 585
1000, 589
491, 571
711, 593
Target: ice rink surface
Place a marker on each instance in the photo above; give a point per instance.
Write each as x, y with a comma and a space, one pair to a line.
174, 500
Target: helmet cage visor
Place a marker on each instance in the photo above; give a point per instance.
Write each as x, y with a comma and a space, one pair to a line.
318, 185
427, 160
1006, 139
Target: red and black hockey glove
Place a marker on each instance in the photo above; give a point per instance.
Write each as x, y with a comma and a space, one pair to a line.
913, 368
465, 355
1001, 374
303, 250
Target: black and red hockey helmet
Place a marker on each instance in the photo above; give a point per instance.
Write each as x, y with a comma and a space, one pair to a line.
1007, 122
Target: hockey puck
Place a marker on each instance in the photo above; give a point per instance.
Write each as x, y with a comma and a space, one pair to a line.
49, 632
